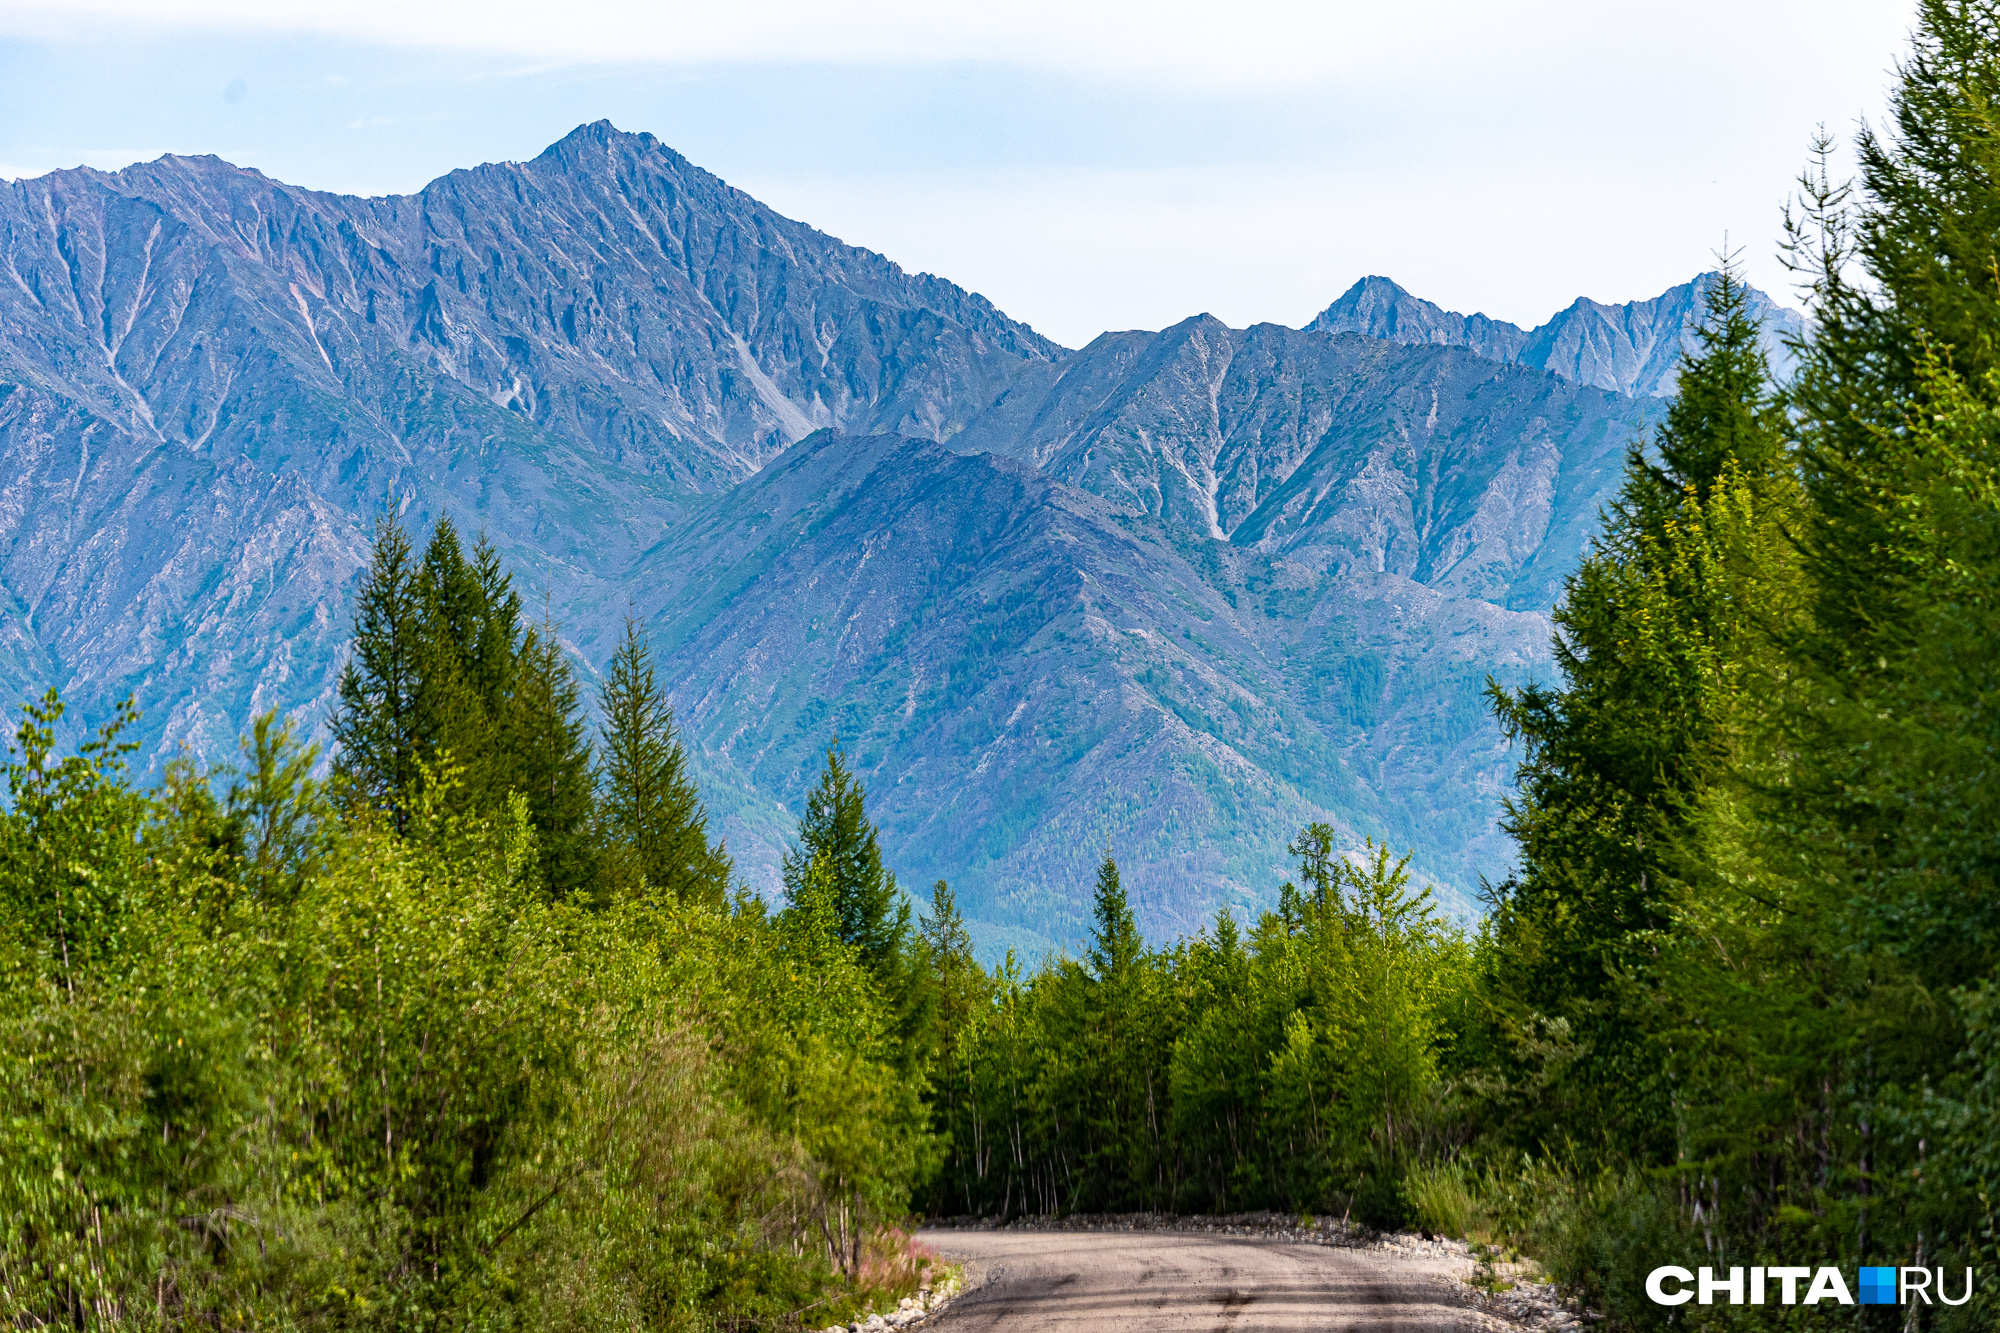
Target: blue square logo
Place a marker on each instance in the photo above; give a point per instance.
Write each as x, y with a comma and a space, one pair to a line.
1878, 1286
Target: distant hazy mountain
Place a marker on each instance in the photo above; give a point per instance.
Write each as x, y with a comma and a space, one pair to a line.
1178, 592
1633, 348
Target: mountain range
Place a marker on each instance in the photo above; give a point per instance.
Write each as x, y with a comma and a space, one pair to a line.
1175, 593
1634, 348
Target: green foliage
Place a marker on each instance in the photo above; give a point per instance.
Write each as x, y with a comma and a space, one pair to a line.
656, 830
870, 914
376, 730
960, 1007
1749, 958
547, 760
1115, 944
465, 1038
1651, 622
1295, 1069
272, 1057
1440, 1199
443, 678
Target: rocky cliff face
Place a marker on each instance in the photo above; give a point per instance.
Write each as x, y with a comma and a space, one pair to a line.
1633, 348
1180, 592
1179, 583
210, 380
1379, 308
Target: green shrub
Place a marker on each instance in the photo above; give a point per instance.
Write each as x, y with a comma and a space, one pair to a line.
1440, 1199
1598, 1241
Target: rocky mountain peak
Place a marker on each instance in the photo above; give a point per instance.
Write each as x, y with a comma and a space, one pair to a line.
1634, 348
1184, 590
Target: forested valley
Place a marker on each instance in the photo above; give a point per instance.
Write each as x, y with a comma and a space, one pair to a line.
476, 1028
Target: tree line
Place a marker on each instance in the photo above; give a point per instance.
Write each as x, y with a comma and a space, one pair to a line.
1737, 1005
475, 1032
480, 1030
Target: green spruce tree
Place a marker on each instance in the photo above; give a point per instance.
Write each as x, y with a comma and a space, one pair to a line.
656, 832
378, 728
955, 973
454, 717
496, 648
1115, 944
873, 914
549, 761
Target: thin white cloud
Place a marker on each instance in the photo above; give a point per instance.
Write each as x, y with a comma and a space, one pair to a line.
1195, 42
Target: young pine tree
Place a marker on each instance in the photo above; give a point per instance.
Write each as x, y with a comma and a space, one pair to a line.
549, 761
378, 726
873, 914
656, 832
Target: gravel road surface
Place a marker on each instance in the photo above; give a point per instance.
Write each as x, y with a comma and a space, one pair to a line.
1141, 1281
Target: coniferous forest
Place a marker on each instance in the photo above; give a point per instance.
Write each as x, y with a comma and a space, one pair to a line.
468, 1024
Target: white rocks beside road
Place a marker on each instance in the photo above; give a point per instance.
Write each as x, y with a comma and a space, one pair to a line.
910, 1310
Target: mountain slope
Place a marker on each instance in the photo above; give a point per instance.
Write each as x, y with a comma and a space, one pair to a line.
984, 642
1181, 592
200, 368
1426, 461
1632, 348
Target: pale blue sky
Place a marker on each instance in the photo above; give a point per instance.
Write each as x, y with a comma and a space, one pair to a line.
1084, 165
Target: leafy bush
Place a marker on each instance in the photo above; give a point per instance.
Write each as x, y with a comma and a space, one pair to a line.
268, 1059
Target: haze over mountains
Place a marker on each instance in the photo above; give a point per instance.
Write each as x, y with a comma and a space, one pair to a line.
1633, 348
1176, 592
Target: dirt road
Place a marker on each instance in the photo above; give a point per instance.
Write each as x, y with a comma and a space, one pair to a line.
1142, 1281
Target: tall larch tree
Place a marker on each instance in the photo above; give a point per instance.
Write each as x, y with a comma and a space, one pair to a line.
1618, 756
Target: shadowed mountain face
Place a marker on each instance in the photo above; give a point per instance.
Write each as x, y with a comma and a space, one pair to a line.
1178, 593
1633, 348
